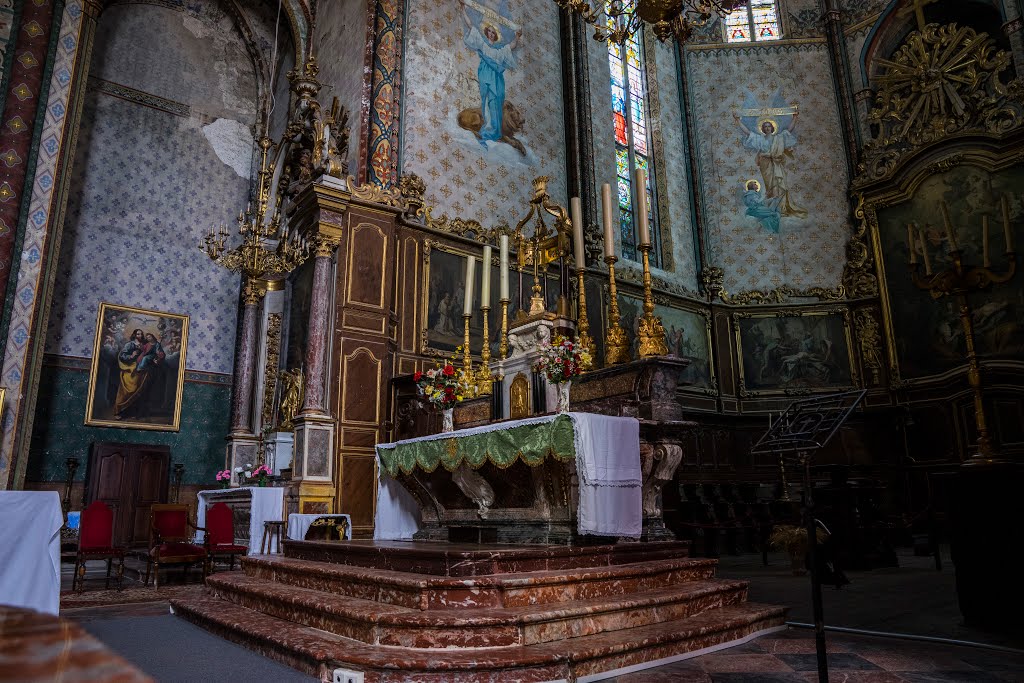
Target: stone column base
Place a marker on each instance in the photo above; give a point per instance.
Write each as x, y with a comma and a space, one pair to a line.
242, 450
313, 462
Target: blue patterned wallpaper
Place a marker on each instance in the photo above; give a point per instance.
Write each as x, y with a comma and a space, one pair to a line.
59, 428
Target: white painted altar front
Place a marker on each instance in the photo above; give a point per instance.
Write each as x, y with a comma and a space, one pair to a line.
251, 505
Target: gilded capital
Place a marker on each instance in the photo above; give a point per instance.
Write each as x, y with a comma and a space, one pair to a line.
326, 245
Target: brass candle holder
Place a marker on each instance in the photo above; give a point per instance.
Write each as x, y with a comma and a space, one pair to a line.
616, 343
959, 281
650, 330
503, 341
467, 362
583, 337
483, 375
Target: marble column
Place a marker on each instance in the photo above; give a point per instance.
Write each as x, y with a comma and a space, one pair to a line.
245, 362
319, 322
1014, 29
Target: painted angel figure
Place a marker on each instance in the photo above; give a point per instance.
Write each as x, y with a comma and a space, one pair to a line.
773, 147
495, 59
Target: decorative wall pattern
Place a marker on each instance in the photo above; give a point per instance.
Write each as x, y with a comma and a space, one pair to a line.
670, 151
802, 19
150, 176
60, 432
476, 164
772, 168
856, 11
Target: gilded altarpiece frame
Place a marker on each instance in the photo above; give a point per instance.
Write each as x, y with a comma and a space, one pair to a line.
794, 352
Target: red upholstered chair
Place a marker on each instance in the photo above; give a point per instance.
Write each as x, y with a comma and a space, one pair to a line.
220, 535
169, 540
96, 542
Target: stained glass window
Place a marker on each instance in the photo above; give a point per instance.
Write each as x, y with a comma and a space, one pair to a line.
632, 145
753, 21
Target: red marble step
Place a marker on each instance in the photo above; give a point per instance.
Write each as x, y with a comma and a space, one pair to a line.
318, 653
385, 624
420, 591
455, 559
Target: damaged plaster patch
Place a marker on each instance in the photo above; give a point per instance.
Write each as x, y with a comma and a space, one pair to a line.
232, 142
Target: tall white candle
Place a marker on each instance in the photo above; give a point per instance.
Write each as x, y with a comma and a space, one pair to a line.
609, 233
485, 277
1007, 228
576, 211
467, 306
503, 257
643, 227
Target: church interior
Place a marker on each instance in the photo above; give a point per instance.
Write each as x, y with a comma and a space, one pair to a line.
511, 340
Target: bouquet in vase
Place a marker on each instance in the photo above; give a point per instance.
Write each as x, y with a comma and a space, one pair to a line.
261, 473
224, 478
560, 361
443, 386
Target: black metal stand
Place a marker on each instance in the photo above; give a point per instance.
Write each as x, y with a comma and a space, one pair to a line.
806, 426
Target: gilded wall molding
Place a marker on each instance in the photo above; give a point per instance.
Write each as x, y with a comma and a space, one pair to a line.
859, 277
869, 343
270, 371
781, 295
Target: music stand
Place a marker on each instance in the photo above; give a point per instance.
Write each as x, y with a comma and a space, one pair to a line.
806, 426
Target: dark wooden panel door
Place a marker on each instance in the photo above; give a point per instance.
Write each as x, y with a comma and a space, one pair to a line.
129, 478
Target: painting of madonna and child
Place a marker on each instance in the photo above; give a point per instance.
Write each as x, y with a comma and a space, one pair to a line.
138, 369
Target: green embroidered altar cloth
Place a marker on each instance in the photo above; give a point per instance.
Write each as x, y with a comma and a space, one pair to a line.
529, 440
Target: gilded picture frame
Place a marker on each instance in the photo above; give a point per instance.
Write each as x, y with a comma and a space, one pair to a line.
442, 329
794, 352
138, 369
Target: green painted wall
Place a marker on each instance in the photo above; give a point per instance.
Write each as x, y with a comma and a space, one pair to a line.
59, 431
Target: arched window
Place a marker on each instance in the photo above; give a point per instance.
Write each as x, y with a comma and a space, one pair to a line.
632, 142
755, 20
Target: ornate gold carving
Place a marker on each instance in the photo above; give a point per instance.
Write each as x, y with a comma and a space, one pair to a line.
780, 295
503, 342
484, 379
321, 137
616, 343
293, 392
253, 290
943, 81
469, 229
650, 331
325, 245
870, 343
713, 280
412, 189
371, 192
858, 273
270, 372
519, 398
583, 337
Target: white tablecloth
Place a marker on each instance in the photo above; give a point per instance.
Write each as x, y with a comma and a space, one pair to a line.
30, 539
607, 461
267, 506
299, 523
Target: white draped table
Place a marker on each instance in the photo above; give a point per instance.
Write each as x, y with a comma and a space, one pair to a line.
266, 505
607, 462
30, 538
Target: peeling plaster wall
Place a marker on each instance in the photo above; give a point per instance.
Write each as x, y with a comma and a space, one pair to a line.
340, 48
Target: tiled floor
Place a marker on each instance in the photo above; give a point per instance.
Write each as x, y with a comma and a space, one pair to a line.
789, 657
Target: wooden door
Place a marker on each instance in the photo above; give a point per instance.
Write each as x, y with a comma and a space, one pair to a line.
129, 478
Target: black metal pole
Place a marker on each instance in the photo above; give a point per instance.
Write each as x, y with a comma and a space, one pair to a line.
812, 560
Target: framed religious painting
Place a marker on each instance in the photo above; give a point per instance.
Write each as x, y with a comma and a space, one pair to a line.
138, 369
443, 302
794, 351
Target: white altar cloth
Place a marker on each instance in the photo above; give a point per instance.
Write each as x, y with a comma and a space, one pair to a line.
607, 461
30, 537
267, 506
299, 523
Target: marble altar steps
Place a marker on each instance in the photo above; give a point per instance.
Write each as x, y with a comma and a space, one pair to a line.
438, 612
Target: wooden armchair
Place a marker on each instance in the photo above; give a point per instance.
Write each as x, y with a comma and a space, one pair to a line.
96, 542
170, 542
220, 535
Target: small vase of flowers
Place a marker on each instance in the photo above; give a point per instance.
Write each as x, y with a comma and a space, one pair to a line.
560, 361
224, 478
444, 387
244, 474
261, 473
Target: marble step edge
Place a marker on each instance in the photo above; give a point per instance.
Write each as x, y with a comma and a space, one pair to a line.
476, 563
390, 625
493, 590
318, 653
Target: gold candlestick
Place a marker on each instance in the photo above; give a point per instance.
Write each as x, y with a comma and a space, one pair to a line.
583, 337
467, 362
503, 342
483, 375
616, 344
651, 331
959, 281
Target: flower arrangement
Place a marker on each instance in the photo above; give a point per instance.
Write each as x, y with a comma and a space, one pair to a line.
261, 473
243, 473
442, 385
563, 359
224, 478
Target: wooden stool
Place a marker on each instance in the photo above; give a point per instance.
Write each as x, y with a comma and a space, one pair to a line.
271, 533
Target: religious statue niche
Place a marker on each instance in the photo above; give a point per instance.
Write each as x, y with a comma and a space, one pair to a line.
794, 352
138, 369
315, 142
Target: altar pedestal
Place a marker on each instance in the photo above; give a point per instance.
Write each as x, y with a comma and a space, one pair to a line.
278, 451
521, 396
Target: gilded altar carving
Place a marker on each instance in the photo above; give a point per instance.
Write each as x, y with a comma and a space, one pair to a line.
859, 273
869, 342
943, 81
319, 138
270, 373
371, 192
293, 392
412, 188
781, 295
519, 398
467, 228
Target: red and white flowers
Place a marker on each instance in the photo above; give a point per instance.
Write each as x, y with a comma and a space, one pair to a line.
563, 359
443, 385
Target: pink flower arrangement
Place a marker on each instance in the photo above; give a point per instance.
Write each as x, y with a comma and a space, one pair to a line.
224, 475
261, 471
